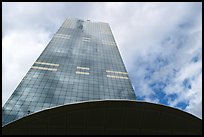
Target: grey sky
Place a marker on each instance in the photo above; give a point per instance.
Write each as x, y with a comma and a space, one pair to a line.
160, 44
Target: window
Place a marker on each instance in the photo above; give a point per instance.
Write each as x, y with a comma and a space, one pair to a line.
86, 39
62, 36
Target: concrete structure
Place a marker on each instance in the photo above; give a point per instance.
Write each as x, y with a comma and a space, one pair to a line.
118, 117
79, 85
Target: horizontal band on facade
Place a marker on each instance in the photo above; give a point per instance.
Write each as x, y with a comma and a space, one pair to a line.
63, 36
43, 68
85, 73
117, 72
45, 63
86, 39
83, 68
108, 42
120, 77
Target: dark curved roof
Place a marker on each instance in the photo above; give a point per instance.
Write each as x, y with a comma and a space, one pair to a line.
107, 117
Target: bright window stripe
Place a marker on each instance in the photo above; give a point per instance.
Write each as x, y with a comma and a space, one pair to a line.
82, 68
45, 63
62, 37
86, 73
111, 76
118, 72
108, 44
86, 39
43, 68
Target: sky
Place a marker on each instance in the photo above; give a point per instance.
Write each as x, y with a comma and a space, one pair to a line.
160, 44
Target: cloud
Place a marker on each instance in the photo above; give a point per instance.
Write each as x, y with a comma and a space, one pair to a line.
19, 54
163, 48
160, 44
41, 15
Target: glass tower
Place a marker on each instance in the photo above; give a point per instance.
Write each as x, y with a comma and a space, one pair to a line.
80, 63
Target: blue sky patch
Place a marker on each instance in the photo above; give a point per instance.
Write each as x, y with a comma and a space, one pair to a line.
182, 105
161, 61
162, 97
157, 86
187, 83
172, 96
195, 59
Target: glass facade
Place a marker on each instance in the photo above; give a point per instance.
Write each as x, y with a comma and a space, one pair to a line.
80, 63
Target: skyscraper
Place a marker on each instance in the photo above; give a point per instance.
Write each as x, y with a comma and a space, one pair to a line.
79, 85
80, 63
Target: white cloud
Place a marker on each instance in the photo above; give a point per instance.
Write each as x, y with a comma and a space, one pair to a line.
19, 53
146, 31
